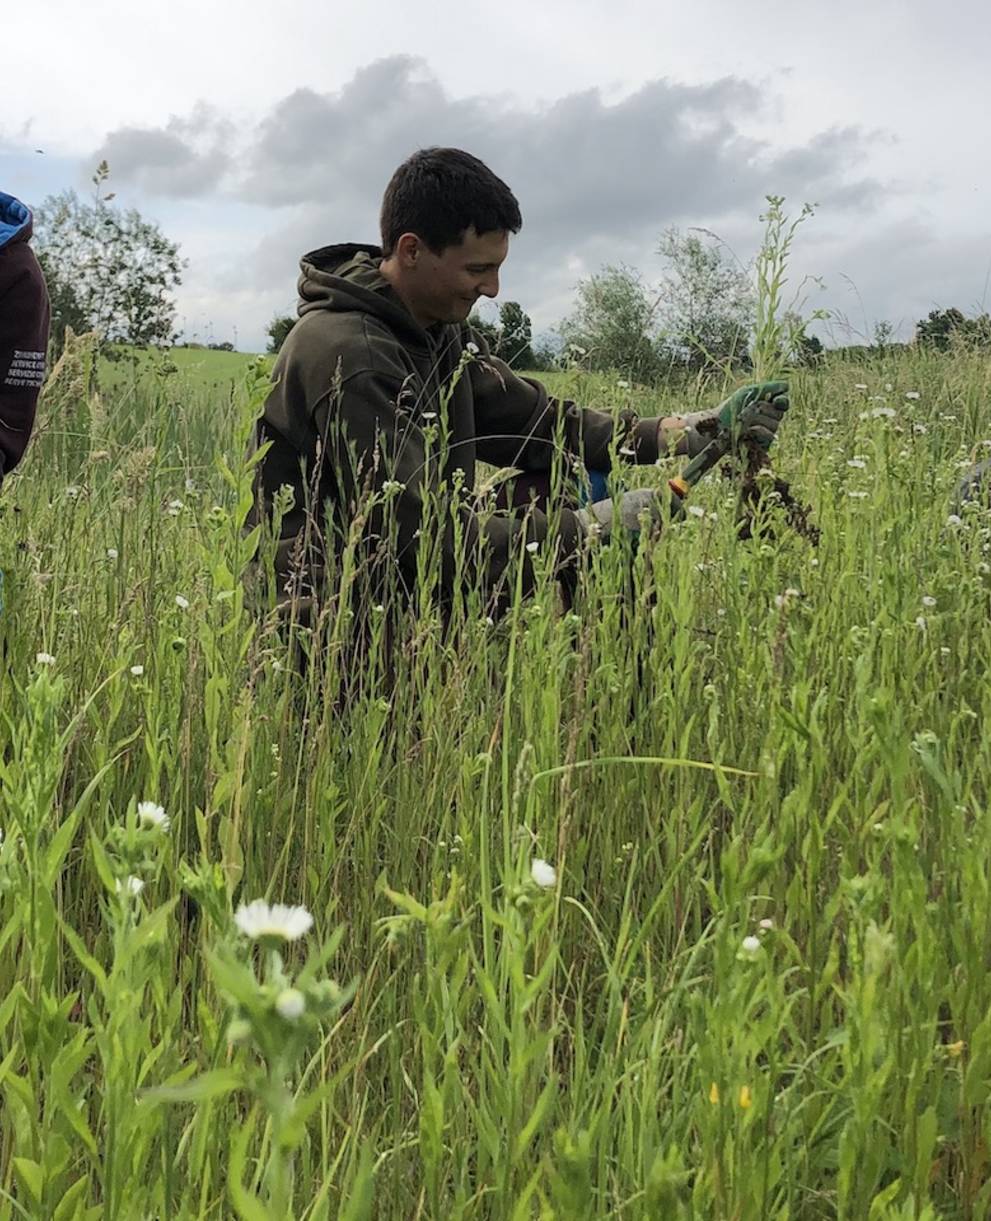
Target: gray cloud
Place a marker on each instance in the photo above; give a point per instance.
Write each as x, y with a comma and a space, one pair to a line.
597, 180
898, 274
186, 158
581, 164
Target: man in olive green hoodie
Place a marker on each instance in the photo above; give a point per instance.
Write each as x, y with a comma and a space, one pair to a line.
385, 398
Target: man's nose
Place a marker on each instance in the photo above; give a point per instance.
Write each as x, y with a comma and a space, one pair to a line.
490, 286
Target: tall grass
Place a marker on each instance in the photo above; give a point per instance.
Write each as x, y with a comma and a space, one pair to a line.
750, 993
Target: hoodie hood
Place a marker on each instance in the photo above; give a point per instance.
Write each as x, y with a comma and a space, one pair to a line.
346, 279
15, 221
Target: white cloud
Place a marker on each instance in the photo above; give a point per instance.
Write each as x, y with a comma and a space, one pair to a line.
253, 139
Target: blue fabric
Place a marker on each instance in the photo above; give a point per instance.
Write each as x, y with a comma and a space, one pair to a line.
14, 217
595, 490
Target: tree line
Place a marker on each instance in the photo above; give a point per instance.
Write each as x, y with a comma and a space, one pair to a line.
111, 271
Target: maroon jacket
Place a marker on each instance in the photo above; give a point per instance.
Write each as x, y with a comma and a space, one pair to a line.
24, 317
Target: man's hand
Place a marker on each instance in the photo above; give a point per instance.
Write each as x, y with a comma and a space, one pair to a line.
636, 510
772, 403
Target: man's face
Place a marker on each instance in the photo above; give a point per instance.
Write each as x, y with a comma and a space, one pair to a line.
447, 285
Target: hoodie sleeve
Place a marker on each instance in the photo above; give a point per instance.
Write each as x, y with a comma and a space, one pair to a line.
24, 317
520, 425
381, 458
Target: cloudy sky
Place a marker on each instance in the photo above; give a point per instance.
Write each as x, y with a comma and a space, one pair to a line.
254, 132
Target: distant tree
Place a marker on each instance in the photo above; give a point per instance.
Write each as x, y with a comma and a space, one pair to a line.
516, 335
707, 302
546, 355
489, 331
613, 326
979, 331
225, 346
937, 330
66, 309
108, 270
278, 330
883, 333
944, 328
810, 350
799, 348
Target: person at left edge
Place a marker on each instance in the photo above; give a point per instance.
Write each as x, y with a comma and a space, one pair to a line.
24, 321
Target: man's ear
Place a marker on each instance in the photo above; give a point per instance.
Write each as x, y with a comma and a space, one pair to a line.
408, 250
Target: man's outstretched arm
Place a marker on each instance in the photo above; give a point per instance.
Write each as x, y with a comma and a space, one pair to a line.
519, 424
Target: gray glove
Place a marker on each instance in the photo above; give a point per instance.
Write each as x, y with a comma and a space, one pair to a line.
631, 511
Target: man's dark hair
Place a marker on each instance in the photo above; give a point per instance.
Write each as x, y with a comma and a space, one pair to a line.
438, 193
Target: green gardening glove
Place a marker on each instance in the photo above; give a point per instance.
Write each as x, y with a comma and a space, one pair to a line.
761, 427
772, 400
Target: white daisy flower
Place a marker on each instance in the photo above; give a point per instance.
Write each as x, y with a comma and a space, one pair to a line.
152, 816
766, 924
928, 600
472, 348
44, 659
279, 921
532, 547
181, 602
137, 671
750, 945
130, 886
912, 394
544, 874
112, 553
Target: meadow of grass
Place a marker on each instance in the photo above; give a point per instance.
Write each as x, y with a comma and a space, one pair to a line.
200, 367
752, 989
